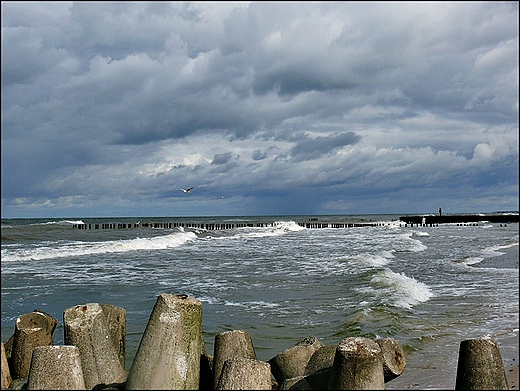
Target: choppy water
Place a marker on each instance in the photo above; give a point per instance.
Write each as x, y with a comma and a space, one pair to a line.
280, 283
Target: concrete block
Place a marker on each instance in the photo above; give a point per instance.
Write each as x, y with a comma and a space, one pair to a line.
116, 322
31, 330
245, 374
169, 354
357, 366
292, 362
296, 383
56, 368
480, 366
229, 345
392, 354
86, 327
6, 372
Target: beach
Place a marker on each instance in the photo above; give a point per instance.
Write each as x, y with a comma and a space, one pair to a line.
507, 260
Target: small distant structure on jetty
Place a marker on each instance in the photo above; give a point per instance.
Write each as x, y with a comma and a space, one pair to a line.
459, 218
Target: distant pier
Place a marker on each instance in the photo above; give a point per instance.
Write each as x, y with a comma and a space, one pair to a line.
459, 219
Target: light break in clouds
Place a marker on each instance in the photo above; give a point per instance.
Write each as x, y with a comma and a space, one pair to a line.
110, 108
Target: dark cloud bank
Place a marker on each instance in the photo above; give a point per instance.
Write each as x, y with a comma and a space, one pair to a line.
108, 109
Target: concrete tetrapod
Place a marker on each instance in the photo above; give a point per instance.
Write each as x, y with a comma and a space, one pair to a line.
6, 373
116, 321
85, 326
169, 354
357, 366
229, 345
394, 360
31, 330
318, 368
292, 362
245, 374
56, 368
480, 366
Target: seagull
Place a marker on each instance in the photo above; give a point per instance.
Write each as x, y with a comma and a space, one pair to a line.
187, 190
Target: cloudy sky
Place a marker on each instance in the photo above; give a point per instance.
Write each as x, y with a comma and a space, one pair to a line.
109, 109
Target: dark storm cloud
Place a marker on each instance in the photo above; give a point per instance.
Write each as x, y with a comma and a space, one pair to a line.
100, 98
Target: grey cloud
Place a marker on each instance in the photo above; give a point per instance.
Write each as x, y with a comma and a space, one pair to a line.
144, 95
222, 158
259, 155
310, 148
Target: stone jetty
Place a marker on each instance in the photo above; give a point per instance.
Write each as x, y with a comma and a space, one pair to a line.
172, 355
461, 219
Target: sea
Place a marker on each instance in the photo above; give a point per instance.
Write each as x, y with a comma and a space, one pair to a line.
279, 280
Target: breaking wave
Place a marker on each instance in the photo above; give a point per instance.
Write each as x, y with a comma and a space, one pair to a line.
48, 250
398, 290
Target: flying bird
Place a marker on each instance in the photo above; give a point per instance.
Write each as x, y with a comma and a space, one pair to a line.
187, 190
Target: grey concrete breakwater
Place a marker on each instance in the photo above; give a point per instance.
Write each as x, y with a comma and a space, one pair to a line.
459, 219
172, 355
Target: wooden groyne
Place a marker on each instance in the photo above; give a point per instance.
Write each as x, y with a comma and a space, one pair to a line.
169, 225
312, 223
459, 219
220, 226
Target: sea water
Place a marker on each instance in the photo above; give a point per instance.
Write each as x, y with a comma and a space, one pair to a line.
280, 283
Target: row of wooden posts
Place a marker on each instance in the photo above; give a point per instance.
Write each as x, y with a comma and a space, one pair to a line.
172, 355
221, 226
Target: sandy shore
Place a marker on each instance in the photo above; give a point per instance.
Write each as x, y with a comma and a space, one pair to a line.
507, 260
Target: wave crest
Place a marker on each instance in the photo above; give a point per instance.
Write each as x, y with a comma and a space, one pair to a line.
75, 249
399, 290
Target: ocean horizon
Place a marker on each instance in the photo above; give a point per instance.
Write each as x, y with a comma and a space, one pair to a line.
278, 280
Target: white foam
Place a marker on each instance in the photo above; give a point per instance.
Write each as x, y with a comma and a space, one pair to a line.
473, 260
399, 290
392, 224
278, 228
505, 246
72, 222
62, 222
74, 249
372, 259
413, 245
253, 305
